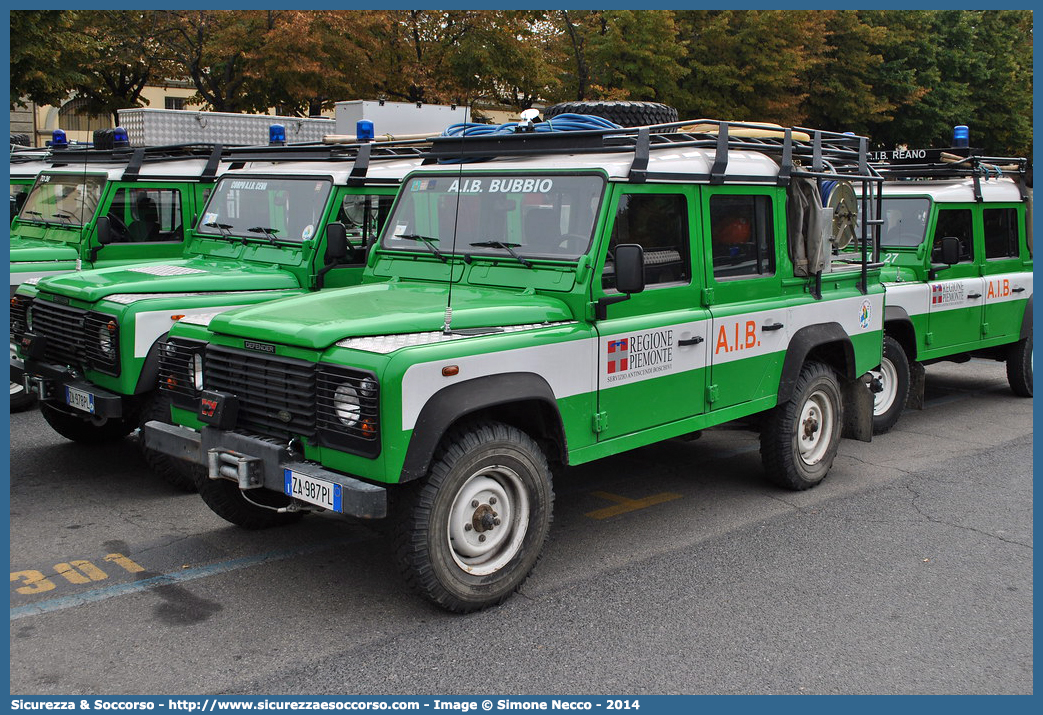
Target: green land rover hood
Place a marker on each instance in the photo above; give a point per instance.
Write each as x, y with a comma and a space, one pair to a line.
320, 319
178, 276
30, 250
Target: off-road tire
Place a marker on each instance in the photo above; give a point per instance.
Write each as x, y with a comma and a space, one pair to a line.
800, 437
1019, 367
894, 374
178, 473
21, 398
505, 472
227, 501
625, 114
83, 430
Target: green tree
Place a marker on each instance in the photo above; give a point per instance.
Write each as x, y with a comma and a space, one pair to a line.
45, 52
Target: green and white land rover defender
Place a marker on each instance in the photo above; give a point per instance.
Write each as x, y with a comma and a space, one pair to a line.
145, 198
281, 222
569, 297
957, 249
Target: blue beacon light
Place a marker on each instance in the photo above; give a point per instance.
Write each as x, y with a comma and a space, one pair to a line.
961, 136
59, 140
276, 135
120, 137
364, 130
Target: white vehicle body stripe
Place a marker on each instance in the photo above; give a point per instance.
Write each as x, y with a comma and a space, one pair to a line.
940, 296
149, 325
22, 277
569, 367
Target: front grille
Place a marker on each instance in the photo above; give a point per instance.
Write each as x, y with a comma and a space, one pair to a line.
95, 325
19, 306
62, 327
276, 395
175, 373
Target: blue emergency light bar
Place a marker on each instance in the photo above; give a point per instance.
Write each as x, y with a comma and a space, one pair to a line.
276, 135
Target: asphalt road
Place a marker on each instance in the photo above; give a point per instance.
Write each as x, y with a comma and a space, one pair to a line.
671, 569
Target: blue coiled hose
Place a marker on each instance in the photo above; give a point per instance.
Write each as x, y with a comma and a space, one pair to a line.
560, 123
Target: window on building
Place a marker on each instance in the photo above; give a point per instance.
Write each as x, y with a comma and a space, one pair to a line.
174, 102
73, 117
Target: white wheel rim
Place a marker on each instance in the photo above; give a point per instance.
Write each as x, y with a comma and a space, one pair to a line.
488, 520
887, 376
815, 428
17, 388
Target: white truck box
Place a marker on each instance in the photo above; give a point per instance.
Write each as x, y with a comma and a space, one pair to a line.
399, 118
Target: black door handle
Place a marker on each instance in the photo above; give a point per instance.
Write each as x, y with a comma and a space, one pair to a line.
691, 341
773, 326
974, 295
1017, 290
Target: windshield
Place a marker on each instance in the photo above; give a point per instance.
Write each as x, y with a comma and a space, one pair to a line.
283, 209
68, 199
905, 221
549, 216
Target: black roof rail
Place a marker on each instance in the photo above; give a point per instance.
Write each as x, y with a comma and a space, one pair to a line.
319, 151
119, 155
826, 153
925, 164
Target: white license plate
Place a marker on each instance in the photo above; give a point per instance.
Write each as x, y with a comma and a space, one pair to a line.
79, 399
312, 490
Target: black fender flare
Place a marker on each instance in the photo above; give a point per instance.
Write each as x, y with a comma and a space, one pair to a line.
451, 403
1026, 320
802, 343
149, 377
896, 315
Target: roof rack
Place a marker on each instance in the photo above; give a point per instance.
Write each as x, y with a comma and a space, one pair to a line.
800, 151
957, 163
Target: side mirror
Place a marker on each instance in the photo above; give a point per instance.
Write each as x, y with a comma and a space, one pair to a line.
337, 247
104, 227
630, 268
950, 253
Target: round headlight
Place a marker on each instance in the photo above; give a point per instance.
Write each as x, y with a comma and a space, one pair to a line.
347, 405
196, 367
29, 318
106, 339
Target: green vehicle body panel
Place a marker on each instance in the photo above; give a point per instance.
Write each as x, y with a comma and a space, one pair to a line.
547, 317
145, 299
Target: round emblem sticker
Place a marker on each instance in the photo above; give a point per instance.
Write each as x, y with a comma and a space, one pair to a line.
864, 315
307, 232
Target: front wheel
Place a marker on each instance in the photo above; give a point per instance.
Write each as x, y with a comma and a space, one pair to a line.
1019, 367
259, 510
474, 529
890, 386
86, 429
800, 437
178, 473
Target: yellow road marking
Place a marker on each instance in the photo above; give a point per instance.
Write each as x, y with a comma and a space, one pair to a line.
624, 505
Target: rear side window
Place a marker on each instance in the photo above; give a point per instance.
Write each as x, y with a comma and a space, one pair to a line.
1001, 233
742, 236
659, 224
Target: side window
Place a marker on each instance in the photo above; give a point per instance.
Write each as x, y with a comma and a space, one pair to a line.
659, 224
742, 236
958, 223
146, 216
363, 217
1001, 233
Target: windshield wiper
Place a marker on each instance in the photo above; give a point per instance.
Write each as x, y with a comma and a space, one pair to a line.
68, 217
269, 233
223, 228
427, 241
509, 247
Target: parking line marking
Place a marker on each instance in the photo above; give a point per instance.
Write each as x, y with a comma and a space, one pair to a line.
624, 505
101, 594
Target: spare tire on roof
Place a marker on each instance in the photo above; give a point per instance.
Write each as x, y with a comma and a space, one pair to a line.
623, 113
20, 140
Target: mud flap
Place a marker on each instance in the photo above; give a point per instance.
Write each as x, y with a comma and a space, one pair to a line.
917, 378
858, 410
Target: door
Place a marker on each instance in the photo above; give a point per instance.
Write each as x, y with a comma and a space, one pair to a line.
957, 294
651, 358
148, 224
750, 328
363, 214
1008, 284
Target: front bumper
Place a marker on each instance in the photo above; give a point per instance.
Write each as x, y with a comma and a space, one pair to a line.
258, 464
48, 382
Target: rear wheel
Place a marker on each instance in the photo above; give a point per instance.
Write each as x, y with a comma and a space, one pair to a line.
256, 511
21, 398
800, 438
1019, 367
176, 472
86, 429
890, 386
474, 529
